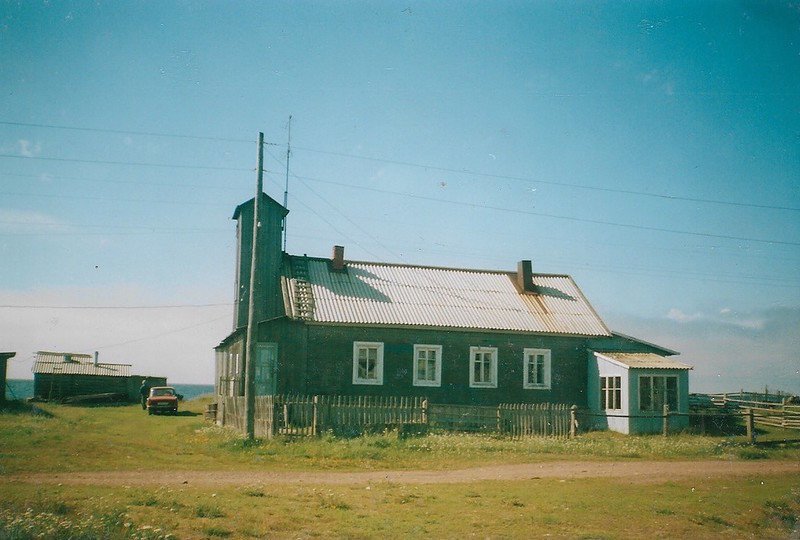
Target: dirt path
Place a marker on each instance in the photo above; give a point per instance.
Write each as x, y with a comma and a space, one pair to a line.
636, 471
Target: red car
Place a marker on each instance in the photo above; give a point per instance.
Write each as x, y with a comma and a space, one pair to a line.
163, 399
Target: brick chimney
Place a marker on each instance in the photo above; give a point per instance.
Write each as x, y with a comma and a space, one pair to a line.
337, 260
525, 277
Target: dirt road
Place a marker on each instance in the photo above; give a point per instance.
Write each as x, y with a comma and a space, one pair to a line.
635, 472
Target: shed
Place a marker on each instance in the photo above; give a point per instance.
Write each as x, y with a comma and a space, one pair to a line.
59, 375
4, 356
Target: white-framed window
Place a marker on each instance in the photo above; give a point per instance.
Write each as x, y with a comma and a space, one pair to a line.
367, 362
483, 367
611, 393
656, 390
536, 369
427, 365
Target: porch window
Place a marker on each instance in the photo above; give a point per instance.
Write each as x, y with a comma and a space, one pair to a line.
611, 393
656, 390
536, 369
427, 365
367, 363
483, 367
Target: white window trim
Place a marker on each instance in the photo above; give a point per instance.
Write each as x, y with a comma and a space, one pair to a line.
604, 392
378, 366
526, 354
438, 370
492, 368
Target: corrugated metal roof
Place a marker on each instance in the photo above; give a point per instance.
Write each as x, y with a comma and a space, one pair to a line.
388, 294
644, 360
82, 368
48, 356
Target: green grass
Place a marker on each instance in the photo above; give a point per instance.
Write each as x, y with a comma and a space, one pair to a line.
65, 438
764, 507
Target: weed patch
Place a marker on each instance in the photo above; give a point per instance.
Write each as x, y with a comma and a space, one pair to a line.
217, 532
208, 511
33, 524
752, 453
780, 511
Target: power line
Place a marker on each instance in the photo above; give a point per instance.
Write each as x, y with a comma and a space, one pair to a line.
117, 199
552, 182
133, 163
162, 334
129, 132
105, 232
662, 196
47, 176
310, 209
133, 227
554, 216
353, 223
175, 306
213, 231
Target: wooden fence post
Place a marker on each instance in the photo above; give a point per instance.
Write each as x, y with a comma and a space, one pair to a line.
751, 434
573, 421
498, 419
314, 417
665, 427
425, 411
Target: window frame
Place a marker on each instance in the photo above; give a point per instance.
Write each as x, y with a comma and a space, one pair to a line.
492, 351
416, 381
357, 346
614, 390
659, 396
526, 361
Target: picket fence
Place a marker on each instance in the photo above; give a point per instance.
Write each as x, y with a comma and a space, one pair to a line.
303, 415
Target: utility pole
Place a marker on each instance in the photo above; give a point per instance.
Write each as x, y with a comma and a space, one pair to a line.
250, 353
286, 189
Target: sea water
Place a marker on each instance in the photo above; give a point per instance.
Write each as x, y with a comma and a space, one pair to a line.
23, 389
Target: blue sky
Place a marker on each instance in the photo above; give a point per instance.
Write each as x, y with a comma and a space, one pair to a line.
649, 149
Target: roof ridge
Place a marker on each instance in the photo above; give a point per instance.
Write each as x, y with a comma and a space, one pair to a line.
64, 353
432, 267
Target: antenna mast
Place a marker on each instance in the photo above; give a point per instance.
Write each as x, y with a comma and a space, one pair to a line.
286, 189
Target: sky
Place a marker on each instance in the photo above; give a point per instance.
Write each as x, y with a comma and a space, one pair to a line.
649, 149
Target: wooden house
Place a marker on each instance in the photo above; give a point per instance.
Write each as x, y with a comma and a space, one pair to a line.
60, 375
453, 335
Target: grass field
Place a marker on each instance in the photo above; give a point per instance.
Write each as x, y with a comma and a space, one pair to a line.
124, 438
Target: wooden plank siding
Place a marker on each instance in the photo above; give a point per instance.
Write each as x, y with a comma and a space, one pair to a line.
318, 359
57, 386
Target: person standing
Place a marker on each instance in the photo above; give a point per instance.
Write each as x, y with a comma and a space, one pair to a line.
144, 392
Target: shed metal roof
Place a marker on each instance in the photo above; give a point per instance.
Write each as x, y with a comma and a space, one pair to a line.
49, 356
81, 368
643, 360
390, 294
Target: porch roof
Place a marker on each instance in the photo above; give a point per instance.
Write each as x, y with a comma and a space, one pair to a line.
642, 360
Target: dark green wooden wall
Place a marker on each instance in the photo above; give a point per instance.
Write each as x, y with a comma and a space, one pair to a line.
318, 359
269, 301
